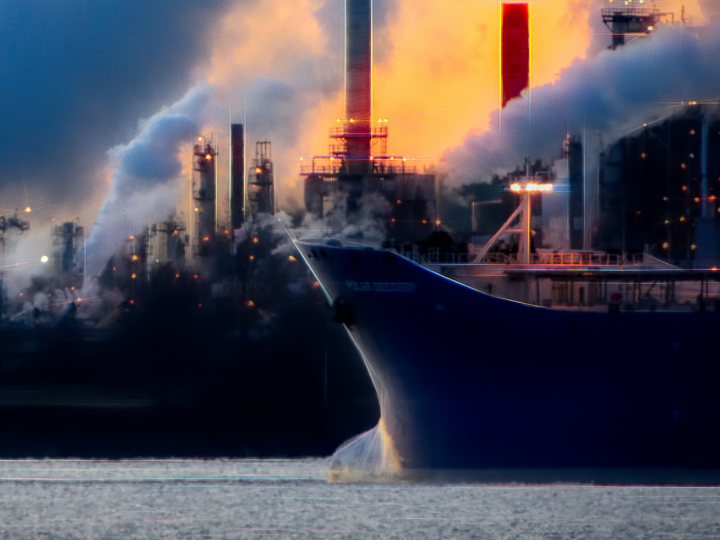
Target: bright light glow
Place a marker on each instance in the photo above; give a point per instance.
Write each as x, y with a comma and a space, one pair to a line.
682, 218
438, 222
693, 247
292, 259
79, 299
252, 257
28, 209
258, 170
206, 238
256, 240
135, 257
714, 268
532, 186
44, 259
650, 28
665, 245
134, 276
208, 157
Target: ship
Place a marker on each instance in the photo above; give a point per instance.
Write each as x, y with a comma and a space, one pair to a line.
468, 380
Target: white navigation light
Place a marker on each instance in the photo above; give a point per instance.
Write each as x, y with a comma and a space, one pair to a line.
532, 186
44, 259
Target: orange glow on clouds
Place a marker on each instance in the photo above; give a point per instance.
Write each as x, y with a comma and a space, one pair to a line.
440, 81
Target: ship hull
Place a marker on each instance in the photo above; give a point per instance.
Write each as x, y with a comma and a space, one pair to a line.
470, 381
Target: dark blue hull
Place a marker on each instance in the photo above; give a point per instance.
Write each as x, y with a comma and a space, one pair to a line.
470, 381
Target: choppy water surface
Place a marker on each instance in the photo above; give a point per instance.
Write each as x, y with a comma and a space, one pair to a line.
291, 499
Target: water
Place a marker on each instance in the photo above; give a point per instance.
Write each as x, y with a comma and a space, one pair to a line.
69, 499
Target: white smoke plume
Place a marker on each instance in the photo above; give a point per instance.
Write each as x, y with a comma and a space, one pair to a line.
146, 183
606, 96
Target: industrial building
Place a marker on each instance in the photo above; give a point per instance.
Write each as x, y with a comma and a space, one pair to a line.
342, 184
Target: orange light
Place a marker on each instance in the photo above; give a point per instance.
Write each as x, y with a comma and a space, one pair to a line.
316, 284
424, 221
714, 269
643, 155
177, 275
114, 268
697, 199
135, 257
692, 132
399, 201
684, 188
515, 187
256, 240
134, 276
208, 157
200, 139
249, 303
28, 209
21, 294
206, 238
693, 247
712, 198
665, 245
393, 220
72, 288
252, 257
682, 218
79, 299
132, 301
258, 170
227, 231
132, 237
175, 232
292, 259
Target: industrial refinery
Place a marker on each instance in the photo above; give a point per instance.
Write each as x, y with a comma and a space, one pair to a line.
209, 307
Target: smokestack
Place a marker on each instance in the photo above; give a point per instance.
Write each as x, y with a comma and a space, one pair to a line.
237, 176
358, 83
515, 50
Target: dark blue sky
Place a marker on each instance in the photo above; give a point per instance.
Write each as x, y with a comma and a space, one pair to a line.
76, 76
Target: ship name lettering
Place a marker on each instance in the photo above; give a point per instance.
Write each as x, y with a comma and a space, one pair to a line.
380, 286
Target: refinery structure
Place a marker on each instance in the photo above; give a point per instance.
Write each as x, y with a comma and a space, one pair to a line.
654, 191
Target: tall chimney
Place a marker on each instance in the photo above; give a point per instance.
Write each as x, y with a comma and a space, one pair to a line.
237, 176
358, 83
515, 54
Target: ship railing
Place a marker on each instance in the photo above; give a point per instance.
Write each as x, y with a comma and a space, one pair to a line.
559, 258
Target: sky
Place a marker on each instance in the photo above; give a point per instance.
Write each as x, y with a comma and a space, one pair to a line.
102, 98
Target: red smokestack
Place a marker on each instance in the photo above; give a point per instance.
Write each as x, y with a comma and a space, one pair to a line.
515, 52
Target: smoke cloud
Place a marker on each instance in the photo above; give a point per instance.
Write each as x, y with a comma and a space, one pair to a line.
147, 182
610, 94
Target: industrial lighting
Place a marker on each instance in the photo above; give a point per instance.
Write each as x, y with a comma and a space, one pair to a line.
711, 198
697, 199
28, 209
532, 186
135, 257
79, 299
132, 237
252, 257
258, 170
134, 276
208, 157
44, 259
665, 245
682, 218
256, 240
292, 259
